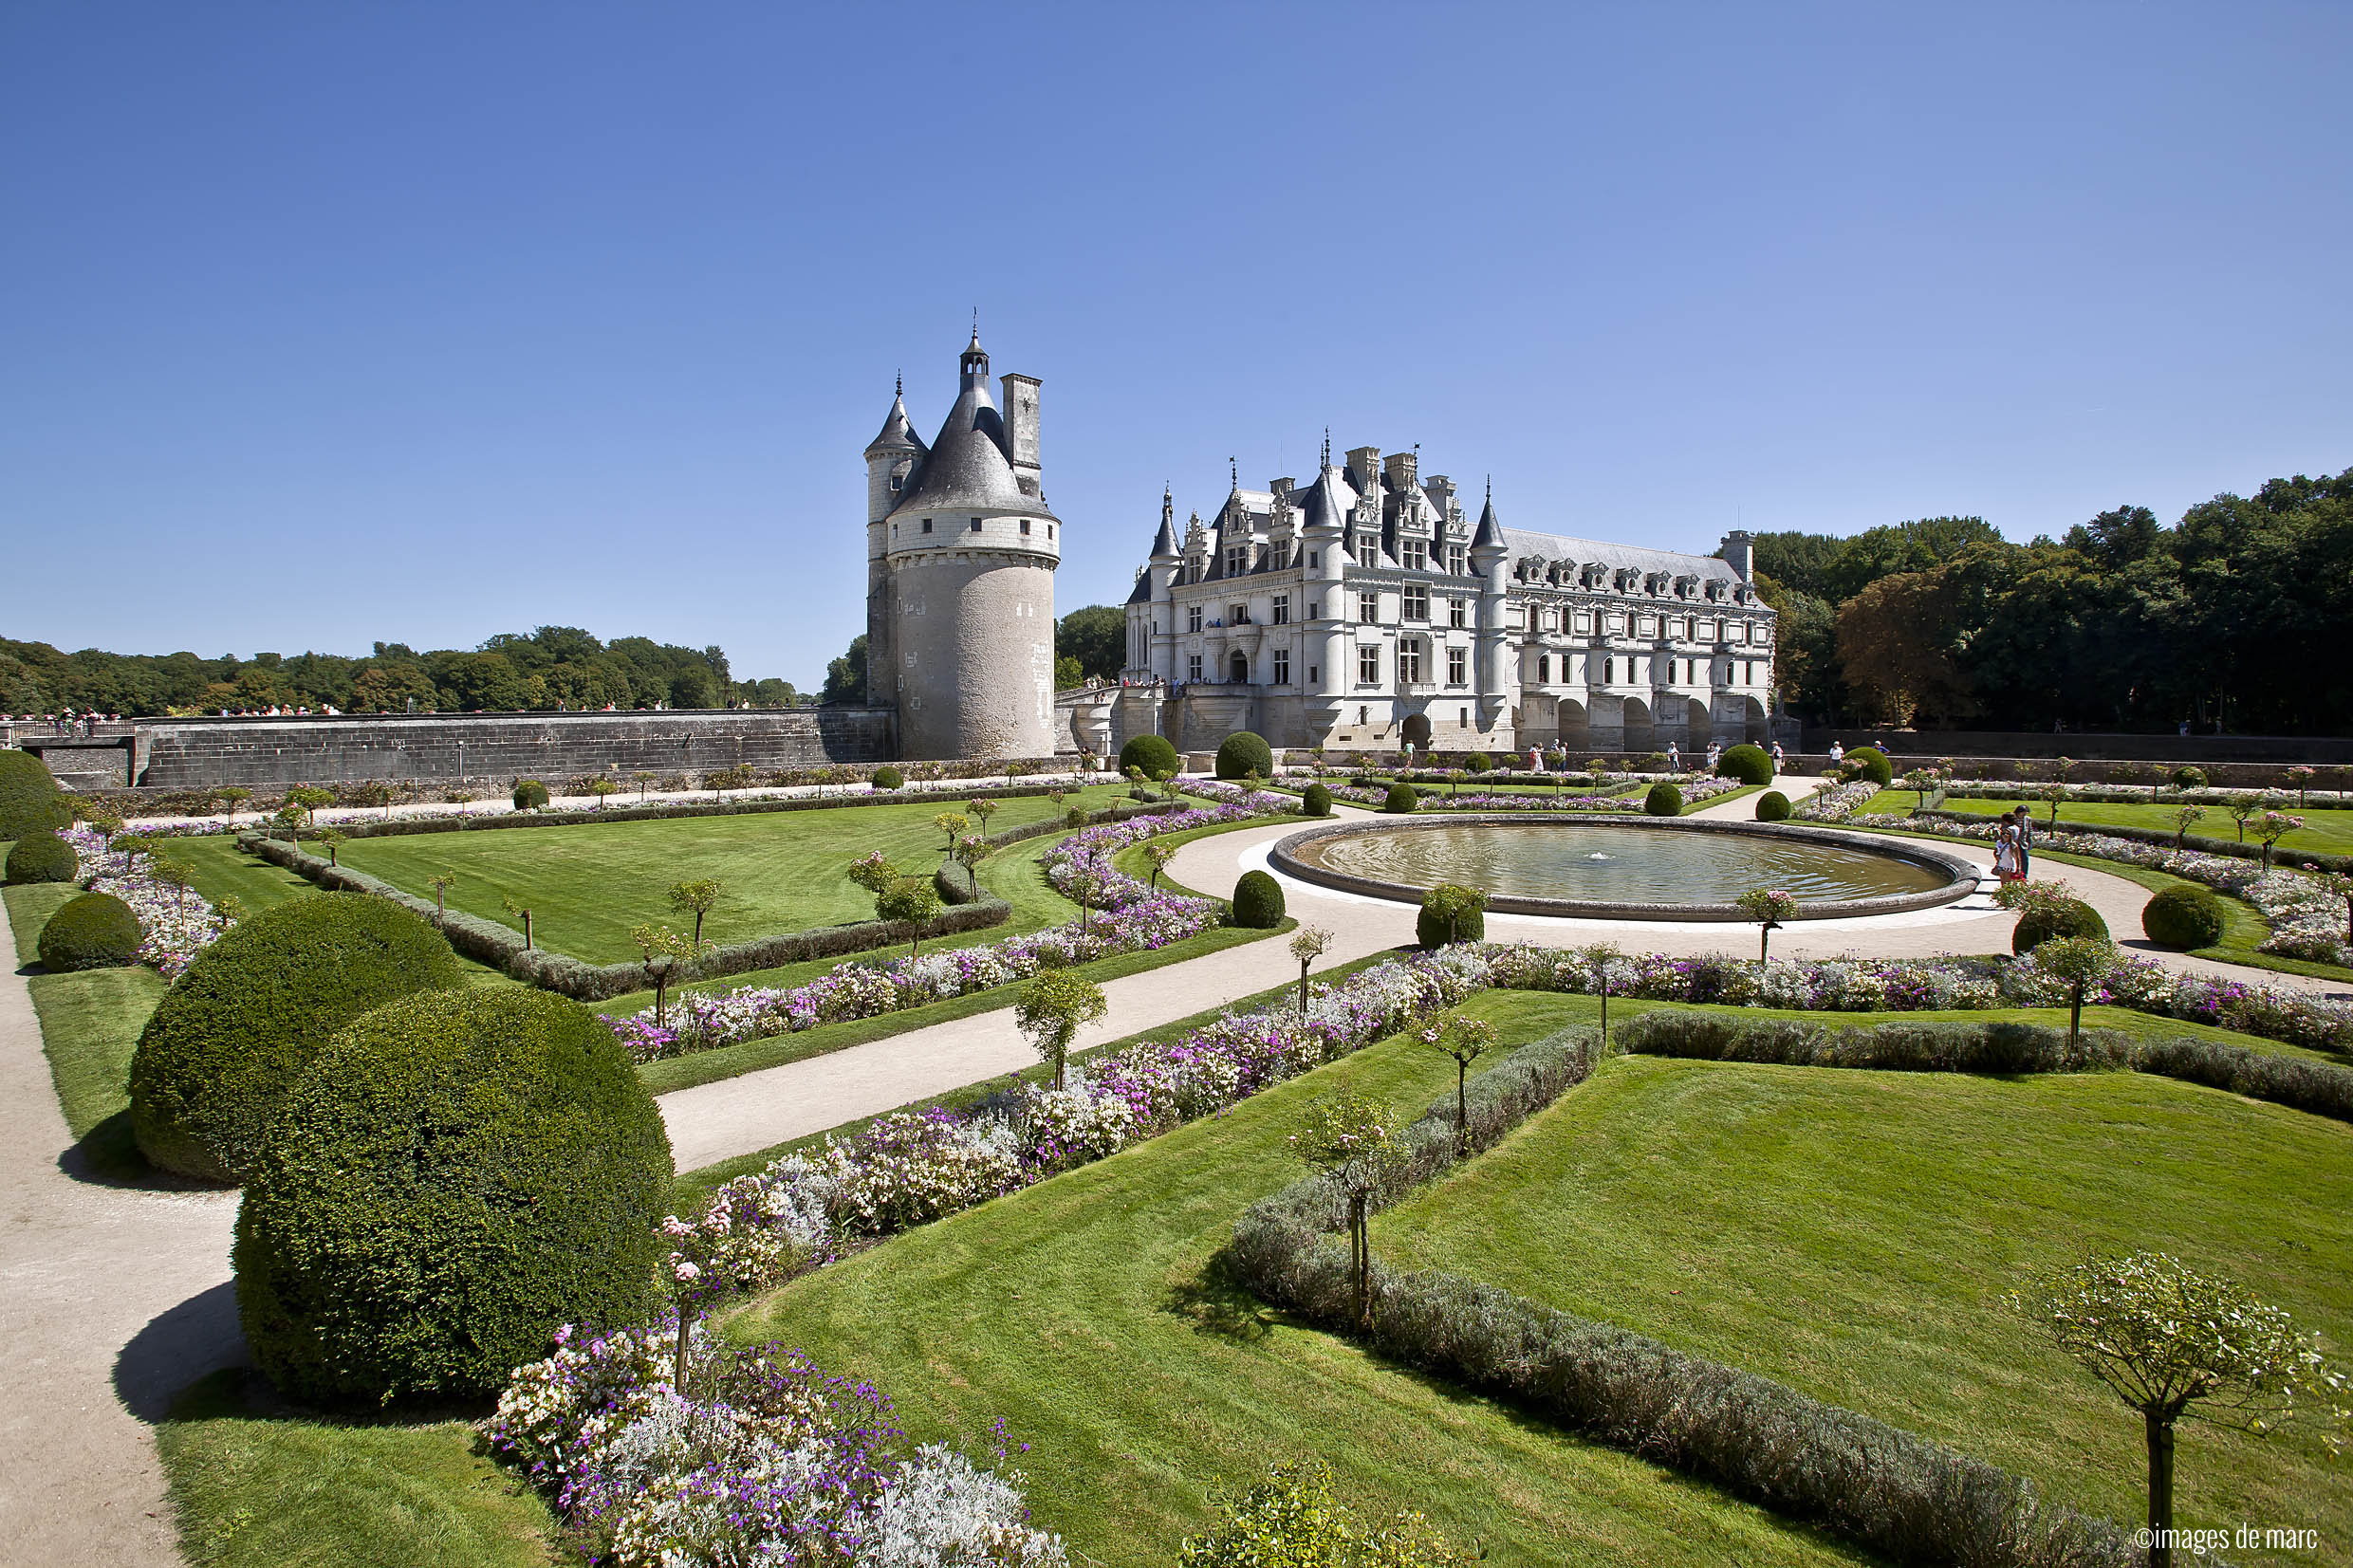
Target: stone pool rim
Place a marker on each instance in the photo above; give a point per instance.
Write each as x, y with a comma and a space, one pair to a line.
1961, 876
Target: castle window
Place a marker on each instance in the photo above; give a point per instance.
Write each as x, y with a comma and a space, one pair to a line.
1457, 667
1237, 615
1544, 669
1609, 670
1368, 552
1416, 601
1193, 617
1312, 560
1193, 667
1368, 666
1416, 554
1368, 609
1281, 609
976, 524
927, 524
1238, 560
1312, 678
1409, 659
1458, 561
1458, 613
1049, 530
1025, 525
1281, 667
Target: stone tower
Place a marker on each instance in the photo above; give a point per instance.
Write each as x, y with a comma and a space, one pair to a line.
960, 556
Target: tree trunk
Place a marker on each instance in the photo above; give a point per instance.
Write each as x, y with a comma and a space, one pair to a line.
1764, 938
1604, 1009
527, 931
678, 1361
2075, 1015
1462, 1107
1302, 987
2161, 1489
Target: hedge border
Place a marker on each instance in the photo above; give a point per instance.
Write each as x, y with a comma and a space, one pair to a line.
2282, 859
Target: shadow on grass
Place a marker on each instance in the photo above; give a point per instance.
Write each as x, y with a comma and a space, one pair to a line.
1217, 1303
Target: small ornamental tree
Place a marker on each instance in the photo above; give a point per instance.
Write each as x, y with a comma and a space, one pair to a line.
1292, 1519
604, 789
2185, 818
2273, 826
953, 823
1768, 908
233, 797
697, 898
1465, 1039
2081, 963
1922, 782
310, 798
664, 950
641, 779
1052, 1009
2300, 777
173, 873
1352, 1142
289, 816
1454, 907
441, 882
333, 838
873, 871
1605, 958
912, 899
1157, 854
2187, 779
2173, 1343
2054, 792
1309, 943
2242, 806
2062, 766
983, 809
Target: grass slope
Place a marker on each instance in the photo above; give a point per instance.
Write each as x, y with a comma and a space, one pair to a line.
1852, 1233
588, 886
256, 1486
2327, 830
1083, 1311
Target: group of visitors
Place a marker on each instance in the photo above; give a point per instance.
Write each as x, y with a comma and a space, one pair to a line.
69, 725
2013, 845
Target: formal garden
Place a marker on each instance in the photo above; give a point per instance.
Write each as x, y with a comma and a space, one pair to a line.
1459, 1250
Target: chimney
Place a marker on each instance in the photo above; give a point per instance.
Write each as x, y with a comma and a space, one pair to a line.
1739, 552
1021, 429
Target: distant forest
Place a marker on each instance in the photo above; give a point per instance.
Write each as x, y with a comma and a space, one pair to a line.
2239, 613
554, 667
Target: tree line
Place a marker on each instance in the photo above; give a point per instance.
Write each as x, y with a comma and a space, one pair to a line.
552, 667
1087, 643
2235, 616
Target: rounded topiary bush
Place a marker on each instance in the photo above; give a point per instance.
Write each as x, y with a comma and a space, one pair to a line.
96, 931
1316, 800
889, 778
1401, 798
2189, 778
1664, 800
1257, 901
1152, 755
1750, 765
1872, 763
236, 1031
2068, 917
456, 1174
1433, 929
29, 814
529, 795
1772, 806
2184, 917
1478, 762
23, 774
1242, 753
41, 858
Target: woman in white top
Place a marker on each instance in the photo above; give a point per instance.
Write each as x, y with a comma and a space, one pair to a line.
2006, 854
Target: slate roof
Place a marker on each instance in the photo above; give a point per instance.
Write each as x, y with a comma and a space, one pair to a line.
967, 467
1553, 547
898, 432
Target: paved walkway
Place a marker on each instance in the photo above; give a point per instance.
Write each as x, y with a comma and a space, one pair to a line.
111, 1301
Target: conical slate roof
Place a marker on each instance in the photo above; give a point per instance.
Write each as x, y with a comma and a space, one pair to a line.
1165, 543
1490, 536
898, 432
967, 469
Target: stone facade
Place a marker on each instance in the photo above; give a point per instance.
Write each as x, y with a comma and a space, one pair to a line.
960, 555
1363, 612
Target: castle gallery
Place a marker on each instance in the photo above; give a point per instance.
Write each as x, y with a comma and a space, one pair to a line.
1362, 611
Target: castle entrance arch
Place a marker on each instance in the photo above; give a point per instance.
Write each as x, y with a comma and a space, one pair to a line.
1416, 729
1637, 727
1238, 667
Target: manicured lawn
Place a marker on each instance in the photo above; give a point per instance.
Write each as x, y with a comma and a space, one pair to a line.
1084, 1311
90, 1024
29, 908
2327, 830
258, 1486
219, 870
588, 886
1852, 1233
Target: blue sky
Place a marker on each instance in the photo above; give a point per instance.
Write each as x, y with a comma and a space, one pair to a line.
327, 323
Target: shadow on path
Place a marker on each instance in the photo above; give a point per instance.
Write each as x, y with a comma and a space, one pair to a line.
177, 1348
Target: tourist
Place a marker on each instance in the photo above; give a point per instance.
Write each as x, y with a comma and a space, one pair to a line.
1674, 758
1715, 749
1838, 753
2025, 820
1779, 761
2006, 854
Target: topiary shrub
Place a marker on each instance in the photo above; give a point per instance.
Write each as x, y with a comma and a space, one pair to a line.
456, 1174
31, 814
889, 778
2184, 917
41, 858
2189, 778
24, 776
529, 795
2066, 918
1772, 806
1664, 800
1242, 753
1316, 800
1870, 762
1450, 913
1401, 798
1747, 764
96, 931
236, 1031
1257, 901
1152, 754
1478, 763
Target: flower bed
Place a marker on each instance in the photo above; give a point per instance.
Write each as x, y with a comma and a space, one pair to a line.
1126, 915
1834, 802
762, 1458
175, 923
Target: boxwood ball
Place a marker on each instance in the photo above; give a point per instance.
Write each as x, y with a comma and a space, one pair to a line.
1149, 754
1242, 753
96, 931
41, 858
456, 1174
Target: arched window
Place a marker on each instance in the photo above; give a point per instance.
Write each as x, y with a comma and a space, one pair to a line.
1241, 668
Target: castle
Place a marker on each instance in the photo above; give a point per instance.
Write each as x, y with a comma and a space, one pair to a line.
1362, 612
960, 555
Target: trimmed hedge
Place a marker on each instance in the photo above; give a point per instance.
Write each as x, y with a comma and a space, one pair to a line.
2163, 838
529, 795
1873, 764
234, 1033
1257, 901
1664, 800
2072, 917
96, 931
400, 827
456, 1174
31, 814
1402, 798
24, 776
2184, 917
1772, 806
1151, 754
1431, 929
41, 858
1746, 763
1243, 753
1316, 800
889, 778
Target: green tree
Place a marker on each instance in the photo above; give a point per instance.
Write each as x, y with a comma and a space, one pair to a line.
233, 797
333, 838
2185, 818
663, 950
1157, 854
697, 898
1096, 638
2173, 1343
1308, 945
845, 677
604, 789
1453, 903
310, 798
1768, 908
1465, 1039
1292, 1519
519, 911
912, 899
1604, 957
441, 882
2081, 963
1052, 1009
1353, 1142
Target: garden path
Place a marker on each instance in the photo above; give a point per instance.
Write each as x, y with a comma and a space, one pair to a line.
111, 1301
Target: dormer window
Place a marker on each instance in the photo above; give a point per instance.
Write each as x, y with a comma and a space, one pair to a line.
1025, 525
1416, 552
1458, 561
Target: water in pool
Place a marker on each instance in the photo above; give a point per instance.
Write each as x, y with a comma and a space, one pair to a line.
1616, 863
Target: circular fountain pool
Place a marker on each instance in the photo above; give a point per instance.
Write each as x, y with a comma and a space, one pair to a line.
1662, 870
